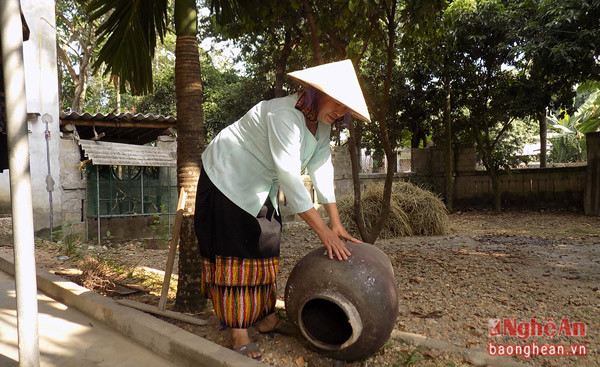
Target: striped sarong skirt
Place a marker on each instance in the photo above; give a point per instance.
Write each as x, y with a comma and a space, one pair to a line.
240, 256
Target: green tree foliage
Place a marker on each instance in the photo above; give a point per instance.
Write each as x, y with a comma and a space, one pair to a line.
568, 131
585, 92
76, 46
266, 35
227, 97
486, 91
557, 48
129, 36
162, 100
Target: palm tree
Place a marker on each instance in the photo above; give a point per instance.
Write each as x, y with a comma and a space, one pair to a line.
130, 31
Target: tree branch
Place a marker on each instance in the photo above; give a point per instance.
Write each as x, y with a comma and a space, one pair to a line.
366, 44
506, 125
313, 32
64, 58
337, 44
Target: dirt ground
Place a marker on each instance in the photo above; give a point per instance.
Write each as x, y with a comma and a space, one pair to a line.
513, 265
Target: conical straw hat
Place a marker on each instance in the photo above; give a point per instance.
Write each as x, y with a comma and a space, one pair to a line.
339, 81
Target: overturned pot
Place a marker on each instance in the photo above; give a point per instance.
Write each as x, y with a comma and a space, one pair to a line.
345, 309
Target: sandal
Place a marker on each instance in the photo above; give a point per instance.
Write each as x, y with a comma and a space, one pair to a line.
247, 349
281, 327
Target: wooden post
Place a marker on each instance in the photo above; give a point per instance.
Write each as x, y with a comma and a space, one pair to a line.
170, 314
172, 250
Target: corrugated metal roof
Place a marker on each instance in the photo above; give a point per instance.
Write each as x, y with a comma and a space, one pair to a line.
107, 153
124, 117
121, 128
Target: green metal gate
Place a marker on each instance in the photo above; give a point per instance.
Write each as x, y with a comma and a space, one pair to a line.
123, 191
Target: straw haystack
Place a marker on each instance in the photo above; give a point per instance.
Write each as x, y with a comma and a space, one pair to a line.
413, 211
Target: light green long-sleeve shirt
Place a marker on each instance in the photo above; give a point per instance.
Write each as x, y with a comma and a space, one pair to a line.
271, 145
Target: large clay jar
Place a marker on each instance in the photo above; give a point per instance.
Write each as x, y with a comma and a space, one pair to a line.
345, 309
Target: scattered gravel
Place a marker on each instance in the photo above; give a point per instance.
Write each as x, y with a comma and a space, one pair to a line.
514, 265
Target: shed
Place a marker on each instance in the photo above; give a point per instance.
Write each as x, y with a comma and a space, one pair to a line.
125, 128
119, 172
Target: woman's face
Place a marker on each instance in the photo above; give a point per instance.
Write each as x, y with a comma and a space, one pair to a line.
329, 109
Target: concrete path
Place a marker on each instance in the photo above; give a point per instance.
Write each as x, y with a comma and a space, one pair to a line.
68, 337
79, 328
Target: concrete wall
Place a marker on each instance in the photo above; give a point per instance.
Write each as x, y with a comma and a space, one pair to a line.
128, 228
73, 183
592, 192
562, 187
525, 188
431, 160
41, 82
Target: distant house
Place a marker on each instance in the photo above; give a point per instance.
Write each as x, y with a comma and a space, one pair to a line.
531, 152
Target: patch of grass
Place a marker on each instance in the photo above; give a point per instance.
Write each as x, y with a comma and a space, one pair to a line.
69, 243
411, 357
109, 238
42, 243
160, 225
71, 249
152, 281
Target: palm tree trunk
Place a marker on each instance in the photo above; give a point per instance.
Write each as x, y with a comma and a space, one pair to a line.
190, 144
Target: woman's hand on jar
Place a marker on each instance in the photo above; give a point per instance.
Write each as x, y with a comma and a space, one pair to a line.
330, 237
342, 233
334, 245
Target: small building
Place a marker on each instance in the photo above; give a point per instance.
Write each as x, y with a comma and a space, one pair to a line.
118, 174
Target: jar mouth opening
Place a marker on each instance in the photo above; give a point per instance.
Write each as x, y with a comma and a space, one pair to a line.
330, 322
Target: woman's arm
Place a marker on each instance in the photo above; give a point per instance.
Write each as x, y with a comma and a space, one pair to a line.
330, 237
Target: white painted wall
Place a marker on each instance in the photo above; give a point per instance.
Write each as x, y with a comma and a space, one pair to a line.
41, 82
